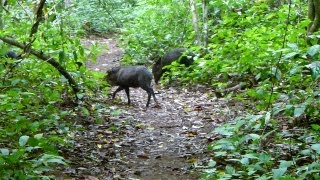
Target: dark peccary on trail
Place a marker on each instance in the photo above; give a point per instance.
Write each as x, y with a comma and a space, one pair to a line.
180, 54
132, 76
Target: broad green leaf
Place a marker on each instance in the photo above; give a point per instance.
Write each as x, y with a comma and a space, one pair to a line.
224, 131
298, 111
289, 107
230, 170
220, 153
293, 46
38, 136
75, 56
56, 160
295, 70
250, 156
264, 157
254, 118
251, 171
85, 111
267, 118
23, 140
4, 151
290, 55
80, 95
285, 164
306, 152
315, 69
316, 147
244, 161
48, 158
277, 173
61, 56
15, 82
212, 163
313, 50
276, 73
252, 136
315, 127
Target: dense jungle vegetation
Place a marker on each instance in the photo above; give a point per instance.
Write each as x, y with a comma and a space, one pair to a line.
263, 53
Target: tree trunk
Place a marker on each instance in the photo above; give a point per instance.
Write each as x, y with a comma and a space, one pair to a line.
1, 13
313, 15
205, 22
195, 20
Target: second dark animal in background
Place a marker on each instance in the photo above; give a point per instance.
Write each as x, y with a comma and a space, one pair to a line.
12, 54
132, 76
180, 54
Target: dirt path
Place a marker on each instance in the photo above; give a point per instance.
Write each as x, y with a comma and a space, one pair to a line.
154, 143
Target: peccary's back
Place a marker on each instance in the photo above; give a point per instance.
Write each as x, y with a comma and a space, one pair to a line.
180, 54
175, 54
134, 76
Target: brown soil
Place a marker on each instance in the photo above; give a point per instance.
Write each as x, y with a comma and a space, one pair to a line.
167, 142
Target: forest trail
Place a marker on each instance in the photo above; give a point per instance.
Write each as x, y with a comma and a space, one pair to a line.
169, 142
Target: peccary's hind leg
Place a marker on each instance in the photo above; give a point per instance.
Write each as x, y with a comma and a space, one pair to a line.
154, 97
150, 92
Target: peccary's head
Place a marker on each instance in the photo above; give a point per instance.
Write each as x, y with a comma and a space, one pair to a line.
157, 70
112, 76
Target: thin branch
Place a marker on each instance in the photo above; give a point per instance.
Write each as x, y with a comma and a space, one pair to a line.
45, 58
35, 26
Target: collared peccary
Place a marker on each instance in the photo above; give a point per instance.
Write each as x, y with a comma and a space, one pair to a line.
180, 54
12, 54
132, 76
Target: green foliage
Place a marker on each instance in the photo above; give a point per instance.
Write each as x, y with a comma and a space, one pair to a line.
101, 16
248, 42
36, 101
255, 147
158, 26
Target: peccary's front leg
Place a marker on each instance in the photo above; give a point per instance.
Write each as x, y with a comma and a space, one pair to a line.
117, 90
128, 94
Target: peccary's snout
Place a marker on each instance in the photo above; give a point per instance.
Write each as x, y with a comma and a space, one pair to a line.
132, 76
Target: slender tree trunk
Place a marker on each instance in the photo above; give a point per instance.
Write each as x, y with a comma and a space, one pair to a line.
205, 22
1, 14
195, 20
314, 15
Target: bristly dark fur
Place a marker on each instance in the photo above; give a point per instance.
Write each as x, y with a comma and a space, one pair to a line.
132, 76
